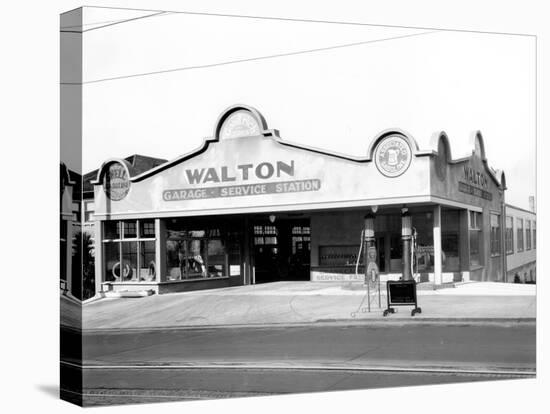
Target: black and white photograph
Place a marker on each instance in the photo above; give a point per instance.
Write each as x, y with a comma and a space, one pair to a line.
260, 203
212, 248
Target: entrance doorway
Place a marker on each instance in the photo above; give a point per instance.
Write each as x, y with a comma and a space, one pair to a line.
281, 250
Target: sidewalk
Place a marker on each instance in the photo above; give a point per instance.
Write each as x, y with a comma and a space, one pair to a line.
284, 303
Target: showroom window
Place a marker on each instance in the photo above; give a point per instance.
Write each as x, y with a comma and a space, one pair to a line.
519, 226
196, 250
495, 234
475, 226
528, 234
509, 235
129, 251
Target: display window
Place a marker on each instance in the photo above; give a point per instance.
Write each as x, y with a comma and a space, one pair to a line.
495, 235
450, 255
424, 249
528, 234
129, 251
509, 235
201, 252
519, 225
475, 236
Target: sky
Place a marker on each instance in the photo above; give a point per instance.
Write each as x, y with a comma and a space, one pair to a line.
332, 86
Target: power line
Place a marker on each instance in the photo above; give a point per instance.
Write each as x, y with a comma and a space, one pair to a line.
231, 62
290, 19
91, 24
111, 23
128, 20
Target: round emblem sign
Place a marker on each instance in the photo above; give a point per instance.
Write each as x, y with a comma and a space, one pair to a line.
239, 124
393, 156
116, 182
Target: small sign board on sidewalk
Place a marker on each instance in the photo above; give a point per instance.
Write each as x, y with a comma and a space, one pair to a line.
401, 293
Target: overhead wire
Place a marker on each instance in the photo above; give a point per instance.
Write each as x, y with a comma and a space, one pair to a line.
304, 20
111, 23
258, 58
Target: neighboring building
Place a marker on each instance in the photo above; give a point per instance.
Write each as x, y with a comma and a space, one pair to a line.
76, 226
136, 163
248, 207
67, 219
521, 245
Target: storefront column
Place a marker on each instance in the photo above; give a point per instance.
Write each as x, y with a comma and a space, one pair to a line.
98, 255
464, 245
438, 277
160, 250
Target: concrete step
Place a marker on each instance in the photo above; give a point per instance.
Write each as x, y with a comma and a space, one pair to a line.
129, 293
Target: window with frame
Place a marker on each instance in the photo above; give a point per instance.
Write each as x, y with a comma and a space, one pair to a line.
196, 251
88, 211
424, 247
495, 234
475, 234
129, 251
265, 235
528, 235
450, 236
509, 235
519, 225
301, 240
339, 255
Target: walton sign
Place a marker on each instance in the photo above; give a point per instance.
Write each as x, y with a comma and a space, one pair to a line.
243, 172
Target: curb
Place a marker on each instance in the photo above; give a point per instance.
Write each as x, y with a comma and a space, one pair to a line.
325, 323
522, 372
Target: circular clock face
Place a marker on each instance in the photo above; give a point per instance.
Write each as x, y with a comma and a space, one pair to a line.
239, 124
393, 156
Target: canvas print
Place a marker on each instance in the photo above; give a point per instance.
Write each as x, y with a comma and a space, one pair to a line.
257, 205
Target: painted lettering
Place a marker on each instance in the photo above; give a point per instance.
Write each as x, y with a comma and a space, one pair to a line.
194, 176
211, 176
475, 177
244, 172
244, 169
242, 190
225, 176
266, 172
288, 169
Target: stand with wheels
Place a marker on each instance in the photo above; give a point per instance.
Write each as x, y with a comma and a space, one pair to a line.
401, 293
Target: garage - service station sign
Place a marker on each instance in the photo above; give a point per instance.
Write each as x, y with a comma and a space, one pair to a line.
201, 179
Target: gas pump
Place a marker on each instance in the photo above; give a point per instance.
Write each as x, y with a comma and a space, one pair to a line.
414, 264
372, 274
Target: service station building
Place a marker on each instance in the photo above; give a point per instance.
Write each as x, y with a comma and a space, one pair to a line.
249, 207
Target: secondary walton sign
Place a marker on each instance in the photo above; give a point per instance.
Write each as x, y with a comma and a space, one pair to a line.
243, 172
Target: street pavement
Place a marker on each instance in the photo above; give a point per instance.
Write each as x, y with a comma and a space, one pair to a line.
163, 385
292, 337
133, 366
421, 347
